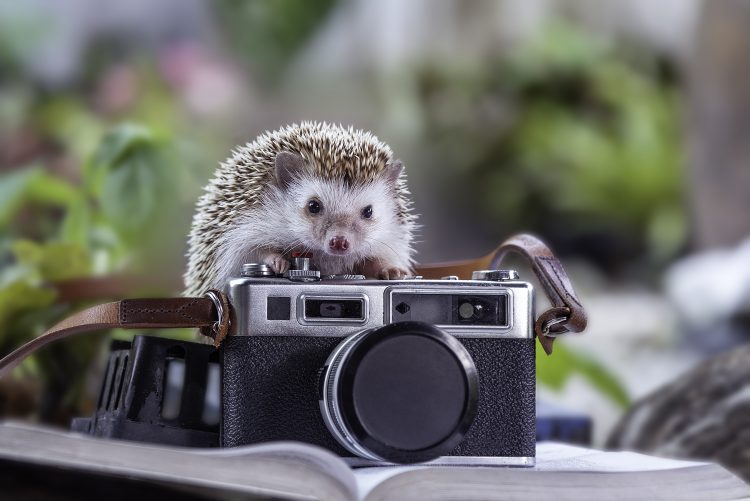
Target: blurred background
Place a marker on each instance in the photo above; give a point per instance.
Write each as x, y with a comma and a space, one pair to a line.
616, 131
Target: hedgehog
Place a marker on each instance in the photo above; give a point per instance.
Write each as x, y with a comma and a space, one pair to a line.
334, 193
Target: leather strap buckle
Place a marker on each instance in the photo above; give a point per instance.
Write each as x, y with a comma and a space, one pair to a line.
548, 325
220, 328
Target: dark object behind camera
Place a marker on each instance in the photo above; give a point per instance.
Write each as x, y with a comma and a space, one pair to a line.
558, 424
158, 390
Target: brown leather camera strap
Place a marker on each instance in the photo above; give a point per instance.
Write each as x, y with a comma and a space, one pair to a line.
210, 314
565, 315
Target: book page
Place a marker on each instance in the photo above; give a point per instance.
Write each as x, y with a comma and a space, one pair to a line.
562, 471
281, 469
552, 456
695, 483
297, 471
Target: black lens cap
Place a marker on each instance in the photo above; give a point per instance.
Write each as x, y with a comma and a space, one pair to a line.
408, 392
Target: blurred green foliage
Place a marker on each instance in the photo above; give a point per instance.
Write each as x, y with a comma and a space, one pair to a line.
135, 176
267, 35
571, 137
555, 371
116, 219
28, 305
126, 199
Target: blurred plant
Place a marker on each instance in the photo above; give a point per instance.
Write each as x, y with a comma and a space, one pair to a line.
119, 219
555, 371
269, 34
83, 201
570, 137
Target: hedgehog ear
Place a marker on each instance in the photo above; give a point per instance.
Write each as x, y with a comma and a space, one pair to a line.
288, 167
393, 171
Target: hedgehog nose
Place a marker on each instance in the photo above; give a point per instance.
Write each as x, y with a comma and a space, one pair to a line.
339, 243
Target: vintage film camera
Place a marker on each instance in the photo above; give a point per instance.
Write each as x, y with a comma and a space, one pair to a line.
396, 371
385, 371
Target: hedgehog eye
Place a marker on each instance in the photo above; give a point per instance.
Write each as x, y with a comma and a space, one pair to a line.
367, 212
314, 206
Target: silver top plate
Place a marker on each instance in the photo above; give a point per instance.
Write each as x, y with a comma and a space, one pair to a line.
249, 297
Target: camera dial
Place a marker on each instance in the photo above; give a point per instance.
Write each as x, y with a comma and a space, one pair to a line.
344, 276
300, 269
256, 270
495, 275
403, 393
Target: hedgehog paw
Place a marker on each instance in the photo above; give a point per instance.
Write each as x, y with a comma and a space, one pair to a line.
277, 263
392, 273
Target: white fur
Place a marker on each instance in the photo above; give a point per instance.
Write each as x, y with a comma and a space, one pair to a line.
279, 223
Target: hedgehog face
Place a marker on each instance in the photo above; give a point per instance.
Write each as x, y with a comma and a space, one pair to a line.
328, 217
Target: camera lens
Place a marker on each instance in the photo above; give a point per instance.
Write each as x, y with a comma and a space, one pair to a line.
403, 393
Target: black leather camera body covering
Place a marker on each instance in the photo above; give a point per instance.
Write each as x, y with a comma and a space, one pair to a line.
271, 389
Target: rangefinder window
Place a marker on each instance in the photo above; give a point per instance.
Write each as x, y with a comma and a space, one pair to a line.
478, 310
322, 309
451, 309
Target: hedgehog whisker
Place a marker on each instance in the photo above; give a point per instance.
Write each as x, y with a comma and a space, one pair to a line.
294, 243
385, 244
288, 248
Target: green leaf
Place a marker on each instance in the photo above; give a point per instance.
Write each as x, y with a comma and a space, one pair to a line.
119, 141
114, 147
133, 190
54, 261
13, 188
33, 185
50, 190
132, 176
19, 297
554, 371
77, 222
69, 122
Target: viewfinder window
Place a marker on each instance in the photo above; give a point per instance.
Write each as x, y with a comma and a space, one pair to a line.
322, 309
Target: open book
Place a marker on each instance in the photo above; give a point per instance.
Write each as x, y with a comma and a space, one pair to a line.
287, 470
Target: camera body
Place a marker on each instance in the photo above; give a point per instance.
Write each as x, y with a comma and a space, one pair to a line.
287, 332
